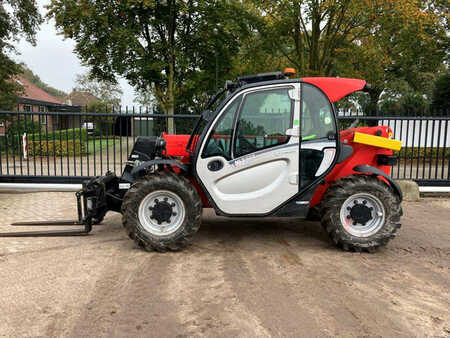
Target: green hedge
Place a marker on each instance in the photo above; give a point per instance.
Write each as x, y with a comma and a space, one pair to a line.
58, 148
423, 152
75, 133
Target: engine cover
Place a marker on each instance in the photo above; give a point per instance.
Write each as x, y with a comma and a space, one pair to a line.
146, 148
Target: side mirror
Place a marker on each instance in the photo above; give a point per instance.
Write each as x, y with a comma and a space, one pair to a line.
293, 132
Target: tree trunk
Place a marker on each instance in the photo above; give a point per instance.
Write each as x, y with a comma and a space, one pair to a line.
171, 79
171, 97
372, 107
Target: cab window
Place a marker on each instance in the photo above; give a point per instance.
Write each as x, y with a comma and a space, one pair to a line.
264, 118
317, 115
219, 143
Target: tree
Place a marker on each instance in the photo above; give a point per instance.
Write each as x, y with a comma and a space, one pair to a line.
308, 33
378, 40
101, 96
108, 92
167, 47
441, 93
407, 43
18, 19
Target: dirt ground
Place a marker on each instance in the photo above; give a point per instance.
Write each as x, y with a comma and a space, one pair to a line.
241, 277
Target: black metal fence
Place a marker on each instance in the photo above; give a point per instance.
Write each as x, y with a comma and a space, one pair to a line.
69, 147
425, 153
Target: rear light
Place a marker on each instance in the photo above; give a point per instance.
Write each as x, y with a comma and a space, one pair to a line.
387, 160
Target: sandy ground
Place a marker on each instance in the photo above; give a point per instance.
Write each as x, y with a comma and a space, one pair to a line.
241, 277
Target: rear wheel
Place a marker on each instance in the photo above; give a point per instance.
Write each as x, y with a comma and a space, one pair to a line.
162, 212
360, 213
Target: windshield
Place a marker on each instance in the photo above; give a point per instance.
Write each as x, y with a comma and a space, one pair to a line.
212, 105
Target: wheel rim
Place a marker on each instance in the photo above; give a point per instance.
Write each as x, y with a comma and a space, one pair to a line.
362, 215
161, 212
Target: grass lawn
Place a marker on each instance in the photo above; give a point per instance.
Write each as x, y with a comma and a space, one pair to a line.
101, 144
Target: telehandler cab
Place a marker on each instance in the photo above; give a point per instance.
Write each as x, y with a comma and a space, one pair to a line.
271, 148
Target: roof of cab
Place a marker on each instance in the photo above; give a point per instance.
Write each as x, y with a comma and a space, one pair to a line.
335, 87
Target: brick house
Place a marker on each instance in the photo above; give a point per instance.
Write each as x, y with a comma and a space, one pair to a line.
35, 100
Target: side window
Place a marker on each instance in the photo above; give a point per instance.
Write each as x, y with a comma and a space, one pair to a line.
265, 116
317, 115
219, 142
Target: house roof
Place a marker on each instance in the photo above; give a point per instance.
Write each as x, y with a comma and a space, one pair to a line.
81, 98
31, 91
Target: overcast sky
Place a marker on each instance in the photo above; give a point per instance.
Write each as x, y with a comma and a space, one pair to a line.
54, 61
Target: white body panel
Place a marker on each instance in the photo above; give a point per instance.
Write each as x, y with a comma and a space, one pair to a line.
253, 184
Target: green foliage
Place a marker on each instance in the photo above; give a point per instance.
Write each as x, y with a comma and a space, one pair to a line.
17, 128
58, 148
411, 104
107, 92
170, 48
428, 153
441, 93
75, 133
28, 74
377, 40
18, 18
9, 90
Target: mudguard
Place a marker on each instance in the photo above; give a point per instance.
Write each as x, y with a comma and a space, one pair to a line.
147, 164
377, 172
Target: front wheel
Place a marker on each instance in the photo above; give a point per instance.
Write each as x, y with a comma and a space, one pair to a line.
360, 213
162, 212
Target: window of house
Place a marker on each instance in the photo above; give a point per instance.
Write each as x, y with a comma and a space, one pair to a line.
43, 118
27, 108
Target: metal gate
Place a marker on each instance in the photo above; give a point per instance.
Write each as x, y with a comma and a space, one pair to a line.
69, 147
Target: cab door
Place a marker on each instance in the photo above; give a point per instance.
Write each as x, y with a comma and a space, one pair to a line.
319, 136
247, 162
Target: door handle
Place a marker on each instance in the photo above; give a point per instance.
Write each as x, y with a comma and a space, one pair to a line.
215, 165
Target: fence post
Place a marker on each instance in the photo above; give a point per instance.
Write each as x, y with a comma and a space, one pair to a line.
25, 146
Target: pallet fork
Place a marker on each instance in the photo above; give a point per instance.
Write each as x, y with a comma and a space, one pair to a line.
84, 221
93, 201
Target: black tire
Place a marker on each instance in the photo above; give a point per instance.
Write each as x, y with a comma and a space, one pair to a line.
334, 199
162, 181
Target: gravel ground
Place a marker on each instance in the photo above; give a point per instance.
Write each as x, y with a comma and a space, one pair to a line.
241, 277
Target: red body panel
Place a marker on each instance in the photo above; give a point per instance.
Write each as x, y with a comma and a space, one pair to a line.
362, 154
176, 145
336, 88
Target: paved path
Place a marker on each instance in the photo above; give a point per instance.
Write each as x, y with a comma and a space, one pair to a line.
241, 277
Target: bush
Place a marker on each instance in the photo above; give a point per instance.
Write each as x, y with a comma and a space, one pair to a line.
17, 128
411, 104
74, 133
57, 148
415, 153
